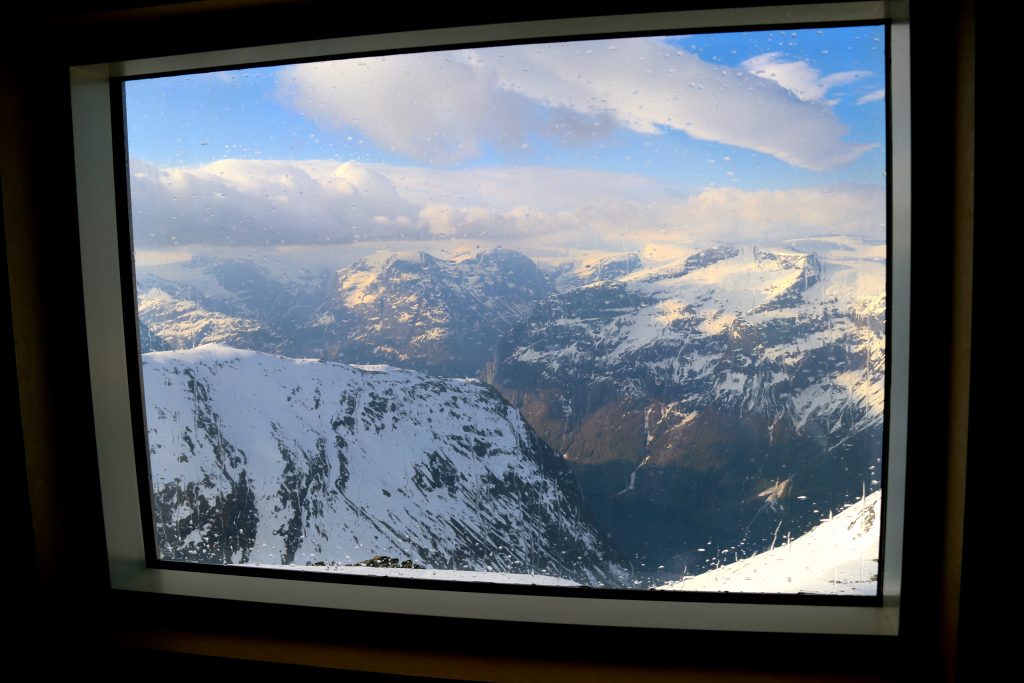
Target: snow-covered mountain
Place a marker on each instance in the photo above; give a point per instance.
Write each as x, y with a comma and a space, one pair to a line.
837, 557
682, 391
440, 316
696, 392
212, 300
174, 323
585, 271
261, 458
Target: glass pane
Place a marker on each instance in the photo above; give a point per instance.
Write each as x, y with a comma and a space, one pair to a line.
606, 313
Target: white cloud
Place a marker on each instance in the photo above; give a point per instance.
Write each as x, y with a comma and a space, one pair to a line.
440, 107
799, 77
248, 203
740, 215
873, 96
448, 107
251, 202
444, 221
504, 189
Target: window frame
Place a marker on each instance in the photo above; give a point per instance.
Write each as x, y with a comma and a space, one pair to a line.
109, 309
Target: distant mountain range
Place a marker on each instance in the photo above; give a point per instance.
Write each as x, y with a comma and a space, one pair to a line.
701, 397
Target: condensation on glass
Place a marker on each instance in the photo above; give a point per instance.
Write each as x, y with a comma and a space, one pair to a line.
606, 313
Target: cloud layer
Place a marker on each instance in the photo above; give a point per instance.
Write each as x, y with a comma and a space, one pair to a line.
274, 203
450, 107
249, 202
873, 96
799, 77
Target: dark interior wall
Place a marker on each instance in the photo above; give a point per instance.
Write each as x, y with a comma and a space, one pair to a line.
59, 557
46, 320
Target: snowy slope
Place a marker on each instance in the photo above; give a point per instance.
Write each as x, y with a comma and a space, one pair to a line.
260, 458
838, 557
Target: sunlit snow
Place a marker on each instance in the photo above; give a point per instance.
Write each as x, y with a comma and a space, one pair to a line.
838, 557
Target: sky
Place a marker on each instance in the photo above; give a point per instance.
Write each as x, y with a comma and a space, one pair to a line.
742, 137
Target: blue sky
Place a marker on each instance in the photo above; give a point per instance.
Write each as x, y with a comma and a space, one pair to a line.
754, 112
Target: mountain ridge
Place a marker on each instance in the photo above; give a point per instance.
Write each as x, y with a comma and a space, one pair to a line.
677, 388
260, 458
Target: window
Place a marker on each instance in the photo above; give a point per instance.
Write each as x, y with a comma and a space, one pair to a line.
446, 217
